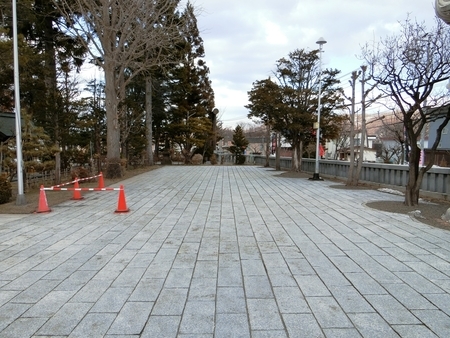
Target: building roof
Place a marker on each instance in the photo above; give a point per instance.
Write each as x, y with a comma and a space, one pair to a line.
442, 8
440, 112
7, 126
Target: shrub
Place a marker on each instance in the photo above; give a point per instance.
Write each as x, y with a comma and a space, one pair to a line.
114, 168
240, 159
197, 159
5, 190
213, 159
80, 172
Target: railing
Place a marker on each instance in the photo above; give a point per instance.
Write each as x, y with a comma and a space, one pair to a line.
436, 180
37, 179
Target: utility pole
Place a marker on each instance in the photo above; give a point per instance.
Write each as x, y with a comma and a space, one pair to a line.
363, 124
354, 77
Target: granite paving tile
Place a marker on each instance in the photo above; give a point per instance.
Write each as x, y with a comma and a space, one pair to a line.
231, 325
161, 326
224, 251
264, 315
302, 325
23, 327
131, 319
65, 320
436, 320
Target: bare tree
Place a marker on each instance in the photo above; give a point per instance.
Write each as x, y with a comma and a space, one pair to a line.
343, 139
407, 67
392, 137
391, 153
126, 38
353, 176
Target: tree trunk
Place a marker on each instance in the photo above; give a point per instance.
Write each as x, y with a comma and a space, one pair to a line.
350, 178
295, 155
363, 129
268, 144
113, 169
413, 185
58, 166
52, 87
149, 119
277, 153
300, 155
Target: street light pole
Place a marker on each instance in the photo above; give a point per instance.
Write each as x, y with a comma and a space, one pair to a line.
20, 199
215, 112
316, 176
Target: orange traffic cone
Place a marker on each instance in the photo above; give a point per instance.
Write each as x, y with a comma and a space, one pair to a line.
76, 193
122, 204
43, 205
101, 183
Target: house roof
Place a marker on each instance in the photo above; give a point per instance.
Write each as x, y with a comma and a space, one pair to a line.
7, 126
366, 149
441, 111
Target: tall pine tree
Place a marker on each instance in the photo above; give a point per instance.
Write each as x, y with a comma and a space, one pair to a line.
191, 95
240, 143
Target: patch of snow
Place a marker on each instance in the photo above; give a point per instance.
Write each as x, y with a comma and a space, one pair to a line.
391, 191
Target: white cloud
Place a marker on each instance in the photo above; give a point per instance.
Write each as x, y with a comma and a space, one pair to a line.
274, 34
243, 39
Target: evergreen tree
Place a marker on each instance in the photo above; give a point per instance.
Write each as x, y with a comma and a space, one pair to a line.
91, 125
55, 55
266, 101
191, 98
37, 149
240, 143
132, 39
298, 79
133, 137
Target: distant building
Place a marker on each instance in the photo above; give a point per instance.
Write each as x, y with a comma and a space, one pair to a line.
7, 126
442, 9
442, 154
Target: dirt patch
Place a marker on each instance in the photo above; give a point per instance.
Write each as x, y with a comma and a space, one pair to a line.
54, 198
427, 212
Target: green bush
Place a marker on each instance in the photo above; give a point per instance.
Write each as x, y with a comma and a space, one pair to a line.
5, 190
240, 159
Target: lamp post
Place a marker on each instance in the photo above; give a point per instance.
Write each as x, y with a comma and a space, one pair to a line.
20, 199
316, 176
215, 112
212, 141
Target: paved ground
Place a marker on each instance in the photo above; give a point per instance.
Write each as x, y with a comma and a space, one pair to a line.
223, 251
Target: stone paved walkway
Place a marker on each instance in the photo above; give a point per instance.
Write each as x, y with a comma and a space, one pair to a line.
223, 251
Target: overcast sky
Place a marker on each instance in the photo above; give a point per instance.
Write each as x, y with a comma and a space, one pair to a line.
244, 38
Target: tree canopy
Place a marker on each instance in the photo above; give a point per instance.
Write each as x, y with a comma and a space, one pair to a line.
239, 144
289, 105
407, 67
155, 52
